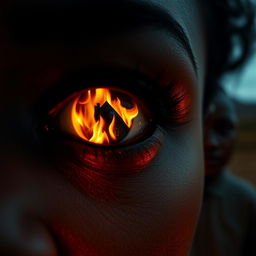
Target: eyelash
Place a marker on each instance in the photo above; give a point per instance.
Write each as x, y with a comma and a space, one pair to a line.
167, 106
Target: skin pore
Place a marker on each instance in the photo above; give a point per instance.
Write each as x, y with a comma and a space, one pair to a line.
220, 133
142, 198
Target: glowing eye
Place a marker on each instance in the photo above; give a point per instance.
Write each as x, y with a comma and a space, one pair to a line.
102, 116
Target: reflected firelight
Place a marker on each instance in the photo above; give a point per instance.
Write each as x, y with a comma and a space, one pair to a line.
99, 116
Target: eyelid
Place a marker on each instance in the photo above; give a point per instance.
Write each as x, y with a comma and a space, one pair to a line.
159, 99
130, 158
129, 80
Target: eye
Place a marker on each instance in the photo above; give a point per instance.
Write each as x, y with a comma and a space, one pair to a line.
102, 116
104, 119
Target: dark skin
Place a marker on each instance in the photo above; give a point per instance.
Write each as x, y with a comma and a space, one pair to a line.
54, 201
220, 133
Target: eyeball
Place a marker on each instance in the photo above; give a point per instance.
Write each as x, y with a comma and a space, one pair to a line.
102, 116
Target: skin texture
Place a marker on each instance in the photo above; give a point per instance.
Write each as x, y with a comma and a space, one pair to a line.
220, 133
51, 205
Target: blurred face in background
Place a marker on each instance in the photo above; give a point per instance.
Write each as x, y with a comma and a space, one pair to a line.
101, 127
220, 133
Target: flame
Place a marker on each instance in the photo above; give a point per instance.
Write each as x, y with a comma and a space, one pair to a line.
97, 129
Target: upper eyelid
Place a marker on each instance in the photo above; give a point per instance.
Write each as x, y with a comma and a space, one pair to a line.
160, 100
104, 77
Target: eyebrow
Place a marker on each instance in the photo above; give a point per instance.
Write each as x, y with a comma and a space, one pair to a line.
74, 23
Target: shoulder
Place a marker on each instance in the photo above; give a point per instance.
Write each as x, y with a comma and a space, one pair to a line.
238, 187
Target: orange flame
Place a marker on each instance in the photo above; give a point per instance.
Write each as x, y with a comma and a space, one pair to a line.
99, 131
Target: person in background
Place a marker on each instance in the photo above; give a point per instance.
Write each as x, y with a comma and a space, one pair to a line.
227, 225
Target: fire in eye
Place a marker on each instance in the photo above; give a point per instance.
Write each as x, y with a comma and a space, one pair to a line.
99, 116
102, 116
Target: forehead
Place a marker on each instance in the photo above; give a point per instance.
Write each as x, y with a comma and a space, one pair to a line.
185, 12
98, 18
37, 21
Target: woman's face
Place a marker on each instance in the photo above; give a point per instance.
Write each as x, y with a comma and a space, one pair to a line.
220, 134
64, 193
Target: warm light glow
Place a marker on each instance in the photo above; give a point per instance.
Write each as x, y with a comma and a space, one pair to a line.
95, 112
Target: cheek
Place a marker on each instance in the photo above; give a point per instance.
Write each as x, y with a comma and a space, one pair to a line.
180, 175
158, 209
154, 213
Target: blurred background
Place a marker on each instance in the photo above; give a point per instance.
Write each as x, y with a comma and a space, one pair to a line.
242, 88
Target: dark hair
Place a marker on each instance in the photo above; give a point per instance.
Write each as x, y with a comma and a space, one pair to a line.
229, 29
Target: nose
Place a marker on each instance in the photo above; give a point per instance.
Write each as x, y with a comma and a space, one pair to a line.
22, 235
23, 227
22, 231
211, 140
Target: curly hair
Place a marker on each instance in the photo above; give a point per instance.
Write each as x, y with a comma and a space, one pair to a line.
230, 33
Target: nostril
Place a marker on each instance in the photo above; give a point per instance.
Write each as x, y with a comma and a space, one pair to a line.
24, 237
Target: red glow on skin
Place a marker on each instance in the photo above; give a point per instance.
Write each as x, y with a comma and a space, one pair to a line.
183, 103
94, 184
98, 173
116, 161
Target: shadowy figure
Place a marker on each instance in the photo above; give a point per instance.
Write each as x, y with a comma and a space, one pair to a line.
227, 225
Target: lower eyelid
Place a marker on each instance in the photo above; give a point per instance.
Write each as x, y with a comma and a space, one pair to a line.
98, 172
123, 160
